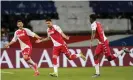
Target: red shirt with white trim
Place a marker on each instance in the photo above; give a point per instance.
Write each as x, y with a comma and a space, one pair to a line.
99, 31
55, 34
23, 37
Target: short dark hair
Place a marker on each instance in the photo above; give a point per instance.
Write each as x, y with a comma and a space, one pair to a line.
48, 19
19, 21
93, 16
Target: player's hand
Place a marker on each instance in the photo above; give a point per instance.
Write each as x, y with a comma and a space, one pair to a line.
38, 41
6, 46
67, 37
40, 38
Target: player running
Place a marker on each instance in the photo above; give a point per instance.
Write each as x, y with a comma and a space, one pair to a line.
22, 34
56, 35
103, 44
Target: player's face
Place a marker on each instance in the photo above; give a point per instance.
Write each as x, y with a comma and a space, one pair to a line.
91, 21
20, 25
49, 23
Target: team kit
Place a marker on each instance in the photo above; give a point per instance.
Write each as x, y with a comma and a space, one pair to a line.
57, 36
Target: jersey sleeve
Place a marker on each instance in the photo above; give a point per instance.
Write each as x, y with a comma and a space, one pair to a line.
93, 26
57, 28
29, 32
14, 39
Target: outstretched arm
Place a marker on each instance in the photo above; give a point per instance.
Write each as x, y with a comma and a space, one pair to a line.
61, 32
32, 34
12, 42
7, 45
65, 36
36, 36
42, 40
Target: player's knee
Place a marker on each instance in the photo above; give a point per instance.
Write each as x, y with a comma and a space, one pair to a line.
109, 58
54, 56
54, 59
26, 57
95, 57
69, 57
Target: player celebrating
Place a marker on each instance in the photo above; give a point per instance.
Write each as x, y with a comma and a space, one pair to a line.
103, 45
22, 34
56, 35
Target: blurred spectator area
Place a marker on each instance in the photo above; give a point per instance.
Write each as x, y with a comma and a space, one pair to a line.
41, 8
113, 9
74, 17
71, 16
4, 36
26, 11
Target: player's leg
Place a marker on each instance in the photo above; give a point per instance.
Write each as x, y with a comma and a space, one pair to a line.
26, 55
98, 51
70, 56
56, 52
108, 52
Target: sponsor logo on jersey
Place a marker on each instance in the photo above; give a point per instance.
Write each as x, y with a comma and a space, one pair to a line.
51, 32
19, 35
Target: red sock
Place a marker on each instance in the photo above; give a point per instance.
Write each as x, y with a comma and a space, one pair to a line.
54, 60
113, 57
96, 61
73, 56
35, 67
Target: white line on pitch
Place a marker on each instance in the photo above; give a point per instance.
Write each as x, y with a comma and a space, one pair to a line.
7, 72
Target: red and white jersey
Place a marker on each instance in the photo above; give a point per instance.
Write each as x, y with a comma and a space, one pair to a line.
55, 34
23, 37
99, 31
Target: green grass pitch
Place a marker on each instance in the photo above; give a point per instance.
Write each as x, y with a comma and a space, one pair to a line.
107, 73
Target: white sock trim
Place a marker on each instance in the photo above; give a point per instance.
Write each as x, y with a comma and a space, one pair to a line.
78, 55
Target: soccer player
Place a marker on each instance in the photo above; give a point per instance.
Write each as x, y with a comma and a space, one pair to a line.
56, 35
103, 44
22, 34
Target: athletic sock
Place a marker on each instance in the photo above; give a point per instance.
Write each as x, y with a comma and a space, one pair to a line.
118, 53
78, 55
32, 65
97, 68
30, 61
55, 68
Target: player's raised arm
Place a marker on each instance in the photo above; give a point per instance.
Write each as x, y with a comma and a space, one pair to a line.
13, 41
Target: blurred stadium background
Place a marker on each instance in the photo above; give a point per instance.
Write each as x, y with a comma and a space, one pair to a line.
73, 18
